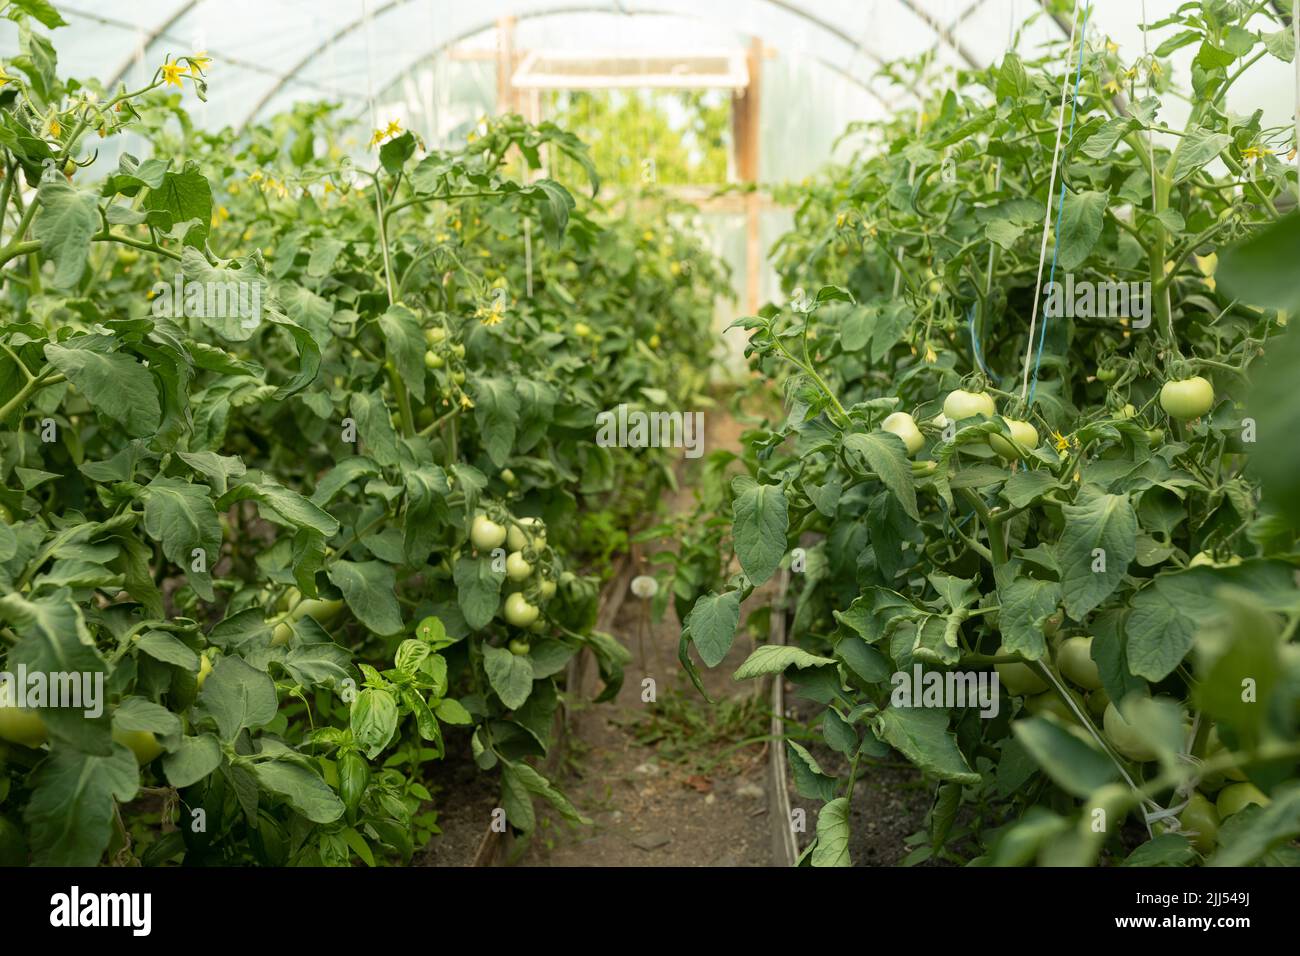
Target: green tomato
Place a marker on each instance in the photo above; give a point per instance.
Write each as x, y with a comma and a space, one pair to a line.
519, 612
517, 569
1023, 433
547, 589
6, 516
142, 743
458, 350
205, 668
282, 634
434, 334
581, 329
19, 725
1019, 679
322, 612
433, 360
518, 538
1107, 374
486, 533
1098, 700
1074, 658
1155, 436
1124, 738
458, 377
1214, 747
961, 404
1050, 702
1200, 821
1189, 398
1237, 796
904, 426
508, 477
519, 647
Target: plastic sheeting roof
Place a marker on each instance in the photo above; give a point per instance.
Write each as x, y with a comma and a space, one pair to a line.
388, 58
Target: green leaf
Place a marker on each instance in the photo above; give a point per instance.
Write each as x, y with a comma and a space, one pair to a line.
1102, 143
70, 813
1241, 644
511, 675
1197, 148
192, 760
555, 206
183, 197
1081, 222
1260, 270
712, 625
761, 524
304, 789
833, 834
1272, 826
373, 719
863, 659
369, 589
922, 737
809, 778
40, 10
775, 658
1026, 603
496, 410
1096, 547
401, 329
64, 224
117, 386
169, 649
182, 518
1069, 761
886, 456
237, 696
478, 590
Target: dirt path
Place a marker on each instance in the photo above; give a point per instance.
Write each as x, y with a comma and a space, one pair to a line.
666, 781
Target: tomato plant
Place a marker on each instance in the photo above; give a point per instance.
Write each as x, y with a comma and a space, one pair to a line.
274, 523
1071, 463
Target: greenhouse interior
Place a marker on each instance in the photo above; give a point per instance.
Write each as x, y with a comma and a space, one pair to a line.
649, 433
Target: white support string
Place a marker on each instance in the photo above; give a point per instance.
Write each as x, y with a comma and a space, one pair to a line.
1295, 31
1047, 216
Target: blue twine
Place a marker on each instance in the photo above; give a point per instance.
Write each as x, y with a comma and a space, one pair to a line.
1060, 209
975, 345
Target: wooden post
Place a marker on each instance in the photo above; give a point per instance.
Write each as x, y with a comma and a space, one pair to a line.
746, 126
505, 65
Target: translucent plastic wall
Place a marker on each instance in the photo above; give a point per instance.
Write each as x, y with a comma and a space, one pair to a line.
430, 63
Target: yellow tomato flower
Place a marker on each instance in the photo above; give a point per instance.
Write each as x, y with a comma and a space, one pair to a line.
198, 63
1253, 153
930, 357
1110, 87
172, 73
54, 127
466, 401
255, 176
393, 128
1060, 441
4, 76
